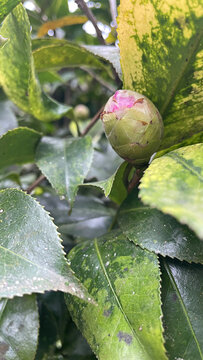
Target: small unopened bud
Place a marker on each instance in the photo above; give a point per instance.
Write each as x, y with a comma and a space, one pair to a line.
81, 112
133, 126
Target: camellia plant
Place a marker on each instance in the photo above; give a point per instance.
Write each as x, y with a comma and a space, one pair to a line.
101, 177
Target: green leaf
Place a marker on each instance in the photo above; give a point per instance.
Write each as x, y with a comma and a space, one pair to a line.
157, 232
109, 53
124, 281
56, 7
54, 54
50, 77
18, 146
32, 257
53, 320
19, 326
88, 215
195, 139
3, 41
6, 6
105, 163
174, 185
58, 334
182, 294
65, 163
17, 72
161, 57
113, 186
8, 120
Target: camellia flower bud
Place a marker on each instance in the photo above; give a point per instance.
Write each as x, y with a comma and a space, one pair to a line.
81, 112
133, 126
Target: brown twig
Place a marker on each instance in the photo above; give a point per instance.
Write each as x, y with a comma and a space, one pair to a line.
35, 184
83, 6
93, 121
135, 180
99, 79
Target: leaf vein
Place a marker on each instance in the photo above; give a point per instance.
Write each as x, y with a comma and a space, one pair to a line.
185, 164
183, 307
116, 297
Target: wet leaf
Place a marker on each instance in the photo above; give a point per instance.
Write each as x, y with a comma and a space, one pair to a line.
174, 185
124, 281
157, 232
18, 146
17, 72
32, 257
161, 57
182, 294
65, 163
19, 326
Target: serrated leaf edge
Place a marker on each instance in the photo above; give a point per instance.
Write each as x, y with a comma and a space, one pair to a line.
70, 285
158, 252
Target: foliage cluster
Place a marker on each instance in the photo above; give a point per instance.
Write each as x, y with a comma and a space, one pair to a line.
85, 238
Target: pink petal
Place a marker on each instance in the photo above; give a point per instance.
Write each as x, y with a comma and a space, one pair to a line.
121, 101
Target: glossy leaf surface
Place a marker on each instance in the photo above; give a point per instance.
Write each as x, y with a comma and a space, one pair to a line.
17, 72
195, 139
19, 326
157, 232
8, 120
51, 54
124, 281
113, 186
18, 146
32, 257
89, 215
3, 41
102, 168
182, 296
161, 57
65, 163
110, 53
174, 184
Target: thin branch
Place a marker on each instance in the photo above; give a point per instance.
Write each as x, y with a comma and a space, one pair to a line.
83, 6
135, 180
99, 79
35, 184
93, 121
113, 10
